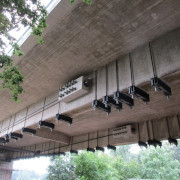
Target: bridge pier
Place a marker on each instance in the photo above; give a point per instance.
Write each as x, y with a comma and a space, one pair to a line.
6, 170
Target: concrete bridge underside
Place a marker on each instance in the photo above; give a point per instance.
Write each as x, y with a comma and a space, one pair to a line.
79, 40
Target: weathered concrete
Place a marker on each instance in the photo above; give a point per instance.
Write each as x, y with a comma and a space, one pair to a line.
53, 135
81, 108
93, 49
159, 132
85, 119
6, 170
81, 38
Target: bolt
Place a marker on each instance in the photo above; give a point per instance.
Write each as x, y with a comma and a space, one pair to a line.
155, 89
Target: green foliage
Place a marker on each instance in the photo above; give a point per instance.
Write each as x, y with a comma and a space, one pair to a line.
159, 163
151, 163
12, 79
91, 166
124, 152
27, 13
86, 1
176, 151
13, 14
127, 169
62, 168
5, 61
17, 51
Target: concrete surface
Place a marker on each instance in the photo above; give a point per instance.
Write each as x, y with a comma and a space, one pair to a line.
104, 32
6, 170
81, 38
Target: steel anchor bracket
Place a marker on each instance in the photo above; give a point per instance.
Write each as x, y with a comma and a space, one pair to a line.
142, 144
107, 100
100, 105
158, 84
28, 131
6, 137
4, 141
90, 150
111, 147
100, 148
139, 93
73, 151
46, 125
64, 118
154, 143
120, 97
173, 141
15, 136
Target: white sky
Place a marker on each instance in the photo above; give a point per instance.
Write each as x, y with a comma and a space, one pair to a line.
39, 165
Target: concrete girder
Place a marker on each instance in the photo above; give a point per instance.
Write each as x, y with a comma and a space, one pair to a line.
147, 130
104, 31
166, 51
53, 136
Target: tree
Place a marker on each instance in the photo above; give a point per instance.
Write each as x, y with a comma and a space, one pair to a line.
14, 14
127, 169
62, 168
86, 1
91, 166
153, 163
176, 151
124, 152
159, 163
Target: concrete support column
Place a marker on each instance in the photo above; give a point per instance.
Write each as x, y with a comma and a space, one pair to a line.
6, 170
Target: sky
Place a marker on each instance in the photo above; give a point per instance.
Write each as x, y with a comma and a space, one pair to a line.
38, 165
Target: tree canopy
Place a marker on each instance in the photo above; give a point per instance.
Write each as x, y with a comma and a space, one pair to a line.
62, 167
151, 163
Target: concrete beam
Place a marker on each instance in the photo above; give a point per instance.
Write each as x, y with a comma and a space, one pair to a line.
147, 130
86, 120
13, 149
53, 135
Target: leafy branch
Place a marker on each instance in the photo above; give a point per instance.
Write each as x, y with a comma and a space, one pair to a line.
13, 15
86, 1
